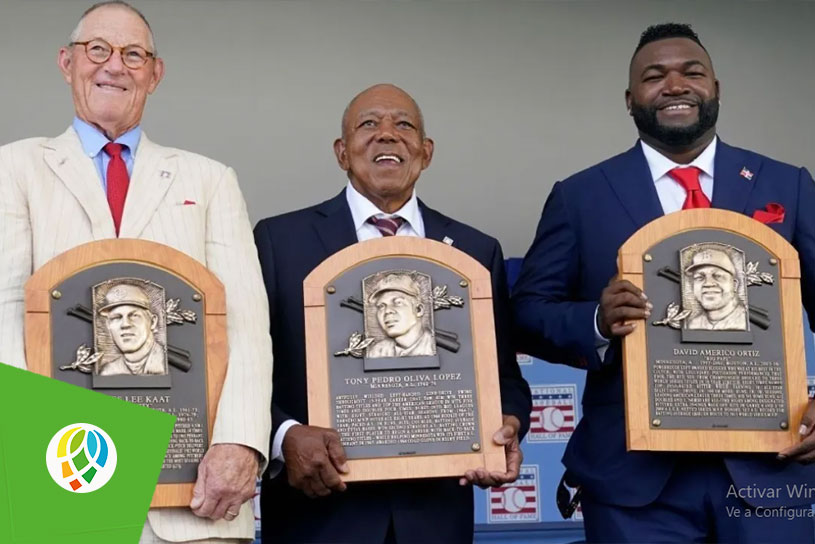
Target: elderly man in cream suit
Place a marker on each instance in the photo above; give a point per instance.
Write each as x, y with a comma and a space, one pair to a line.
103, 178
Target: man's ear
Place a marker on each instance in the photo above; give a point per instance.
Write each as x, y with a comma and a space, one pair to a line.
427, 147
64, 60
341, 152
419, 309
153, 321
158, 75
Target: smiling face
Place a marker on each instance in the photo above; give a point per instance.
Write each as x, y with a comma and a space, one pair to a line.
398, 313
673, 94
713, 287
131, 327
383, 148
110, 95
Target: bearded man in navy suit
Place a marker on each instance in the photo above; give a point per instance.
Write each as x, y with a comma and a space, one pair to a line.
568, 312
383, 150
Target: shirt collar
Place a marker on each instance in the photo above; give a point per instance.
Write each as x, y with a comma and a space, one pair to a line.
362, 208
93, 141
660, 165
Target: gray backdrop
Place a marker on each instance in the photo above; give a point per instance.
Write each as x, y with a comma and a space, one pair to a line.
516, 94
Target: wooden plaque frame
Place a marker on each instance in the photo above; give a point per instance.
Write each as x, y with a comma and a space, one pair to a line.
490, 456
639, 433
38, 318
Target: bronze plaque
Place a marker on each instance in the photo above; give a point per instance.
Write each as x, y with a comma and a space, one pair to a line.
396, 389
144, 323
719, 365
121, 329
715, 355
401, 359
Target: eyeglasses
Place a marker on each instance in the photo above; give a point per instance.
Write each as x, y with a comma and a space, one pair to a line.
99, 51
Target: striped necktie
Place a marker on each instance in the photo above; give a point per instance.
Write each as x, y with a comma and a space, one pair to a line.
387, 225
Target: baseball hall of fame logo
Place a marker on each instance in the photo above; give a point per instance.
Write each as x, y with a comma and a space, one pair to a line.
81, 458
518, 501
554, 413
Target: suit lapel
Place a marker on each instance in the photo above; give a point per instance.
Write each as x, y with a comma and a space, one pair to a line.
435, 224
731, 188
334, 225
65, 157
154, 171
630, 178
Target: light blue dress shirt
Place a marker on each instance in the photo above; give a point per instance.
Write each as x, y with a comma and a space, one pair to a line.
93, 141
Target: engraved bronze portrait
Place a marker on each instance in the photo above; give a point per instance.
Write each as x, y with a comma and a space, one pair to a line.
129, 328
713, 287
398, 314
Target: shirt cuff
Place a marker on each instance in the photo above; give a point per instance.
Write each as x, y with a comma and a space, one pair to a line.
277, 443
600, 341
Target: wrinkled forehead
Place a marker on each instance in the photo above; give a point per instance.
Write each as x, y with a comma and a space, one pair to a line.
115, 24
384, 100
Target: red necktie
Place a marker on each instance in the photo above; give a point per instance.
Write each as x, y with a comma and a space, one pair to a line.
387, 225
117, 182
688, 178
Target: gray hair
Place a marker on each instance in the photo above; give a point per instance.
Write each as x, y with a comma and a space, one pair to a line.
117, 3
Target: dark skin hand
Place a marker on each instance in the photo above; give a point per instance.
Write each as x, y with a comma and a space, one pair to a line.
506, 436
803, 452
621, 303
314, 458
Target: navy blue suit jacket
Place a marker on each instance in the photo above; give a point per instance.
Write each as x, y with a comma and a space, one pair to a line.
292, 245
585, 220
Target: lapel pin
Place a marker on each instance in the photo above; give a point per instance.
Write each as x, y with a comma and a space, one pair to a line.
746, 174
447, 240
165, 174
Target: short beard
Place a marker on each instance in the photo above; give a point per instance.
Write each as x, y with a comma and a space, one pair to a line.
645, 118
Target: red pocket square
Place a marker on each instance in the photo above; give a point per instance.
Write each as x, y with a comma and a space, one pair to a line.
189, 203
772, 213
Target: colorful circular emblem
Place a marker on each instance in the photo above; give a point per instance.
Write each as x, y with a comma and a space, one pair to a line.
81, 458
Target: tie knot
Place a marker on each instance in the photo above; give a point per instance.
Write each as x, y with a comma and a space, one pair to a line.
387, 225
113, 150
688, 177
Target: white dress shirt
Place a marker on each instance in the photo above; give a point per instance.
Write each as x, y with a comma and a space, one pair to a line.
361, 210
671, 196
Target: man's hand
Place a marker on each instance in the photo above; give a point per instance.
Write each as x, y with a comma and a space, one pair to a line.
804, 452
621, 301
506, 436
226, 480
314, 456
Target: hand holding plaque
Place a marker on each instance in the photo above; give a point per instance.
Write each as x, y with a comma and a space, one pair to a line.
314, 458
620, 303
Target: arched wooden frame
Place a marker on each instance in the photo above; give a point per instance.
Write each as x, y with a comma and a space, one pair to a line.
639, 433
490, 456
38, 318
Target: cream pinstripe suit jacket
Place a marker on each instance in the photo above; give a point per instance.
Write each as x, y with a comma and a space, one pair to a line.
51, 200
